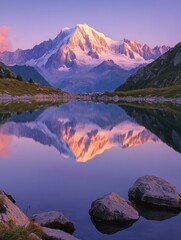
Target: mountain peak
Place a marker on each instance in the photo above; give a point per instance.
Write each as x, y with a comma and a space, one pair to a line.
108, 63
83, 25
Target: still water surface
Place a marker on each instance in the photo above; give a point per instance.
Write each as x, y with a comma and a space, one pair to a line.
62, 158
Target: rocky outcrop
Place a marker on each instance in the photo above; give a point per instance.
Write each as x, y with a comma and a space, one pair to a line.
55, 220
113, 208
54, 234
9, 212
155, 191
11, 215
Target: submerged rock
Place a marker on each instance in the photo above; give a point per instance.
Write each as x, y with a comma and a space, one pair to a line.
55, 234
55, 220
110, 227
156, 214
113, 208
155, 191
10, 213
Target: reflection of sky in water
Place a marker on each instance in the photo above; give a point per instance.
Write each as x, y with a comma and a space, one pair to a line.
39, 177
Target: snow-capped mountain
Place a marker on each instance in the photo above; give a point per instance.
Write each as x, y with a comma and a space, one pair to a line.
74, 52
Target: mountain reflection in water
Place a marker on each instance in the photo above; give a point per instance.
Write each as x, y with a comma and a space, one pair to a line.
36, 148
80, 130
163, 123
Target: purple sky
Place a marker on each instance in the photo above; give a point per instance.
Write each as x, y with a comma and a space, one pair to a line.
148, 21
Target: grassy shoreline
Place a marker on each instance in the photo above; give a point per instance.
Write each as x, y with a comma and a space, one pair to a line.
13, 90
166, 92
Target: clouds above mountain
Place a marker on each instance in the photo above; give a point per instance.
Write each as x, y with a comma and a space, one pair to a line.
5, 43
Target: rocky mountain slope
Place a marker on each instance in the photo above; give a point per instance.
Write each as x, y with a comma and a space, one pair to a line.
163, 72
77, 50
27, 73
5, 72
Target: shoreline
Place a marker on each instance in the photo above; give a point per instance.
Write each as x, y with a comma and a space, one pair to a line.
5, 98
38, 98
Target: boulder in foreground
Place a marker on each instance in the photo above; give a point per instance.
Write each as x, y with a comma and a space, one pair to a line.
10, 213
155, 191
113, 208
55, 220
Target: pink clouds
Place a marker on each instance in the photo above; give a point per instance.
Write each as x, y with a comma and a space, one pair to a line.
5, 141
5, 43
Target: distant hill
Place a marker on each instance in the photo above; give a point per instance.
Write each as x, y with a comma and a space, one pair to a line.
104, 77
163, 72
108, 75
13, 85
28, 72
5, 72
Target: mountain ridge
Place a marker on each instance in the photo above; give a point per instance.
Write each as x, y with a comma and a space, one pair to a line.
163, 72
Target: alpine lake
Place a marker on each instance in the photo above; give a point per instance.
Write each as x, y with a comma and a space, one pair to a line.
63, 157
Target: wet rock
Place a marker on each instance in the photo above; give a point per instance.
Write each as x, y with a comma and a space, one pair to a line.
155, 191
9, 212
110, 227
156, 214
113, 208
55, 234
55, 220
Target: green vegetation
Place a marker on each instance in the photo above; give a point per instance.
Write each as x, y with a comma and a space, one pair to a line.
5, 72
14, 87
163, 72
30, 80
20, 233
170, 107
17, 107
166, 92
18, 77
